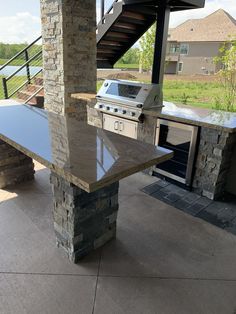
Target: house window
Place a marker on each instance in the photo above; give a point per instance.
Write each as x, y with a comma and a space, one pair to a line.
174, 48
180, 67
184, 48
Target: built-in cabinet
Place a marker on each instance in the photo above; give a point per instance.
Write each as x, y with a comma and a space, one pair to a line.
120, 126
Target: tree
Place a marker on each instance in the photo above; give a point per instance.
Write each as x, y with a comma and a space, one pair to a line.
130, 57
147, 42
227, 74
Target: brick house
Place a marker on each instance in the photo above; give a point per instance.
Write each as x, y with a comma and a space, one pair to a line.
193, 45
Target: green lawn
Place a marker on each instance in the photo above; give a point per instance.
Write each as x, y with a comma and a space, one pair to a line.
18, 62
200, 94
15, 62
126, 66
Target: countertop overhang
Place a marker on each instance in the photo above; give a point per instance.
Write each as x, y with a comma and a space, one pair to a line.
86, 156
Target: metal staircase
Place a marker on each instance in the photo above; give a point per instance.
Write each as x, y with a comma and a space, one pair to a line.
119, 29
126, 21
120, 26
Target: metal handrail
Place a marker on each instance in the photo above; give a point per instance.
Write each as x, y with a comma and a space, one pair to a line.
24, 65
19, 53
33, 95
24, 53
23, 84
28, 60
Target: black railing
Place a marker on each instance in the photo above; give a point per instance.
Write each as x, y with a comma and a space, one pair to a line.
16, 81
32, 57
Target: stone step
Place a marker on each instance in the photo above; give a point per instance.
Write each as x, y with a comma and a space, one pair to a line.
37, 101
33, 88
38, 81
25, 94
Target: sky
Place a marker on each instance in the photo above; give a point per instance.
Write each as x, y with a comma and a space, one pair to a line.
20, 20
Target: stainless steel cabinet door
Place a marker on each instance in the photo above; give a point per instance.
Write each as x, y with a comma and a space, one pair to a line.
128, 128
121, 126
110, 123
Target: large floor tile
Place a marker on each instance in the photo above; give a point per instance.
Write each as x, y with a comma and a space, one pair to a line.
155, 296
155, 239
37, 294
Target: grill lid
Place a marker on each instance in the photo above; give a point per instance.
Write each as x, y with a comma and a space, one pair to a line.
135, 94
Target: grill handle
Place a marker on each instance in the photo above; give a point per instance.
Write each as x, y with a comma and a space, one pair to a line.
116, 125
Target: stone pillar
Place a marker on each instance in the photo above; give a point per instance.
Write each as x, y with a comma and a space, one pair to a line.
15, 167
83, 221
69, 54
213, 162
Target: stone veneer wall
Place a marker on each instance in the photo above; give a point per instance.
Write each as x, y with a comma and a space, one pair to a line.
213, 162
15, 167
69, 53
83, 221
94, 116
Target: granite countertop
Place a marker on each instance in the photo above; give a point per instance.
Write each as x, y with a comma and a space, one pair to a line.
87, 156
220, 120
84, 96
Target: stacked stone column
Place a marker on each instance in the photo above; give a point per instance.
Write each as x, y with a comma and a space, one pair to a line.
83, 221
15, 167
69, 54
213, 162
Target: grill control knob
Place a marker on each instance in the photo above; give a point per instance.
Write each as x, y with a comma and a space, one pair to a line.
115, 110
132, 114
124, 111
107, 108
100, 106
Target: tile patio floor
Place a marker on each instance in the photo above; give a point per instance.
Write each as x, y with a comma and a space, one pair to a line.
163, 260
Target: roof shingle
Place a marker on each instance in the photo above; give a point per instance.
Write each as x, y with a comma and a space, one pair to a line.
216, 27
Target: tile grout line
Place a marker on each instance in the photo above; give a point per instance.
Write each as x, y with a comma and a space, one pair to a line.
96, 285
121, 276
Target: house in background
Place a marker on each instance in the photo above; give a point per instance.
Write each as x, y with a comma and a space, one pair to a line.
193, 45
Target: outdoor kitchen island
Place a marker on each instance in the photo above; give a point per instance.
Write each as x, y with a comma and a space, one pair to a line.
86, 163
207, 137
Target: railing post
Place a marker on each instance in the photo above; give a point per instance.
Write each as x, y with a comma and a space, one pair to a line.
27, 66
102, 10
4, 84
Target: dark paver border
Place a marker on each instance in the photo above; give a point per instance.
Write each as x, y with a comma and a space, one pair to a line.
219, 213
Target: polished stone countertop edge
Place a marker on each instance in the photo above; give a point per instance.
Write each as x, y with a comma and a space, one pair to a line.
88, 187
171, 117
125, 173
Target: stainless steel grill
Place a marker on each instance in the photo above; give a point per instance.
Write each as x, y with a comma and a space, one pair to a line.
127, 99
